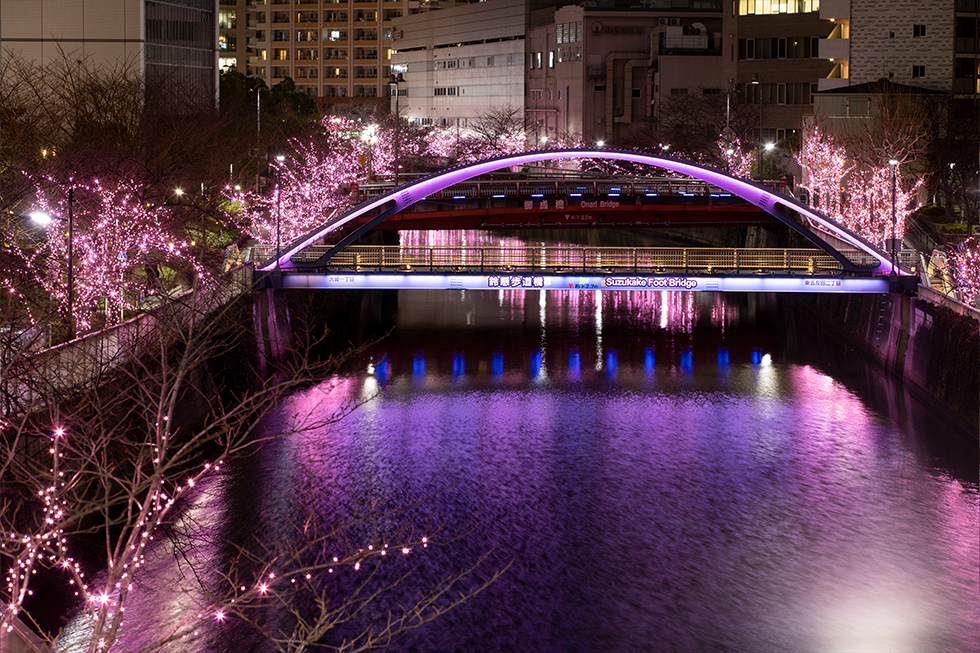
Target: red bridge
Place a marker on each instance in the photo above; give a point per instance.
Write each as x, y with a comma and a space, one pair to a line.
509, 202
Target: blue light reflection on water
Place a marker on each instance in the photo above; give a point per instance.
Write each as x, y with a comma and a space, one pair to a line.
755, 504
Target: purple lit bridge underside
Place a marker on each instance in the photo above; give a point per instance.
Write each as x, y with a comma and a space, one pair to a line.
416, 281
779, 206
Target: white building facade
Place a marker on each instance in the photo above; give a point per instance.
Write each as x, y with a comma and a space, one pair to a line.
461, 62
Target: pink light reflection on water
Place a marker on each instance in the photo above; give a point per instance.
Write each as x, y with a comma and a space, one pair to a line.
673, 311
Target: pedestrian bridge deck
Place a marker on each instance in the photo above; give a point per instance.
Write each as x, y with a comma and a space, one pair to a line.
570, 260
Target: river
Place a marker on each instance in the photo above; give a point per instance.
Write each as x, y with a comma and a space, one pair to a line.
653, 471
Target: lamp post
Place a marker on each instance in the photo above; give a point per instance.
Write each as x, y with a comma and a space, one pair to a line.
757, 81
393, 82
893, 244
369, 137
280, 158
768, 147
44, 219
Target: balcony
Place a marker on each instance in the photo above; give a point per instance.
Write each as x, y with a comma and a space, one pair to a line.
835, 48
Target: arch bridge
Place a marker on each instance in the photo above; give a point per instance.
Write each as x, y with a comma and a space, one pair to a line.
839, 261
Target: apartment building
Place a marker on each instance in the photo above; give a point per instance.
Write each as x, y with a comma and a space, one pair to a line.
335, 51
597, 72
172, 42
460, 62
772, 58
931, 45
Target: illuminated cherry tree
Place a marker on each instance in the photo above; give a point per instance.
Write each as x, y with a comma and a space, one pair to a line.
737, 158
964, 267
824, 165
868, 210
314, 179
855, 193
124, 467
119, 243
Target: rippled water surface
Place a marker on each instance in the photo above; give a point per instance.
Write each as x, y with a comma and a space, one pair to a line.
662, 472
655, 471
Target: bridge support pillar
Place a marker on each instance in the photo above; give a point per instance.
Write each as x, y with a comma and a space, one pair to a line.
270, 314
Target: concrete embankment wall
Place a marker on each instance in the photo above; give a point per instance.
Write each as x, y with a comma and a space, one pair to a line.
932, 348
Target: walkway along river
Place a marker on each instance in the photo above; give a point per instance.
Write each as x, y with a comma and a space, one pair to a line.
662, 472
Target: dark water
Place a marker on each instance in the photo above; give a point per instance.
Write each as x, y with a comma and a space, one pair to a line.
661, 472
655, 471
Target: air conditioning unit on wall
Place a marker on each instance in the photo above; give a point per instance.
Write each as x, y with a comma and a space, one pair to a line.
662, 21
675, 21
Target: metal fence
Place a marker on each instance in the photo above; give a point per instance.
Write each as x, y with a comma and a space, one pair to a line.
578, 259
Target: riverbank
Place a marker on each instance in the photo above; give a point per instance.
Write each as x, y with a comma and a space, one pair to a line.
931, 348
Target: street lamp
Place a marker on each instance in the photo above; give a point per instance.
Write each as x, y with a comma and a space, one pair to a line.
893, 245
369, 137
393, 82
280, 158
768, 147
757, 81
44, 219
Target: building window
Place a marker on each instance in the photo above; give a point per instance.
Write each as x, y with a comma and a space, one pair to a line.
445, 90
769, 7
918, 71
637, 94
710, 91
227, 63
599, 88
226, 18
489, 62
678, 91
918, 30
539, 59
551, 59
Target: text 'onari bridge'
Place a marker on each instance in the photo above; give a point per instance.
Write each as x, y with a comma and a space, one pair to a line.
850, 264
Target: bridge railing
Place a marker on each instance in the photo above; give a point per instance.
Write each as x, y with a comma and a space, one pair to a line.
585, 259
639, 187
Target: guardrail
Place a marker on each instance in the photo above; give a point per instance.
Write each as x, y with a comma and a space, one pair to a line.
29, 382
564, 187
653, 260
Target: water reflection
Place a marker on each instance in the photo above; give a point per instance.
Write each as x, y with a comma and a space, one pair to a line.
661, 471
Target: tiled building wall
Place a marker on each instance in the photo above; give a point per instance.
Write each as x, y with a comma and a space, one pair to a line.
906, 41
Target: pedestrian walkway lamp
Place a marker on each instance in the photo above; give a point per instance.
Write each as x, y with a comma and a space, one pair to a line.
768, 147
757, 81
893, 245
393, 83
44, 219
280, 159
